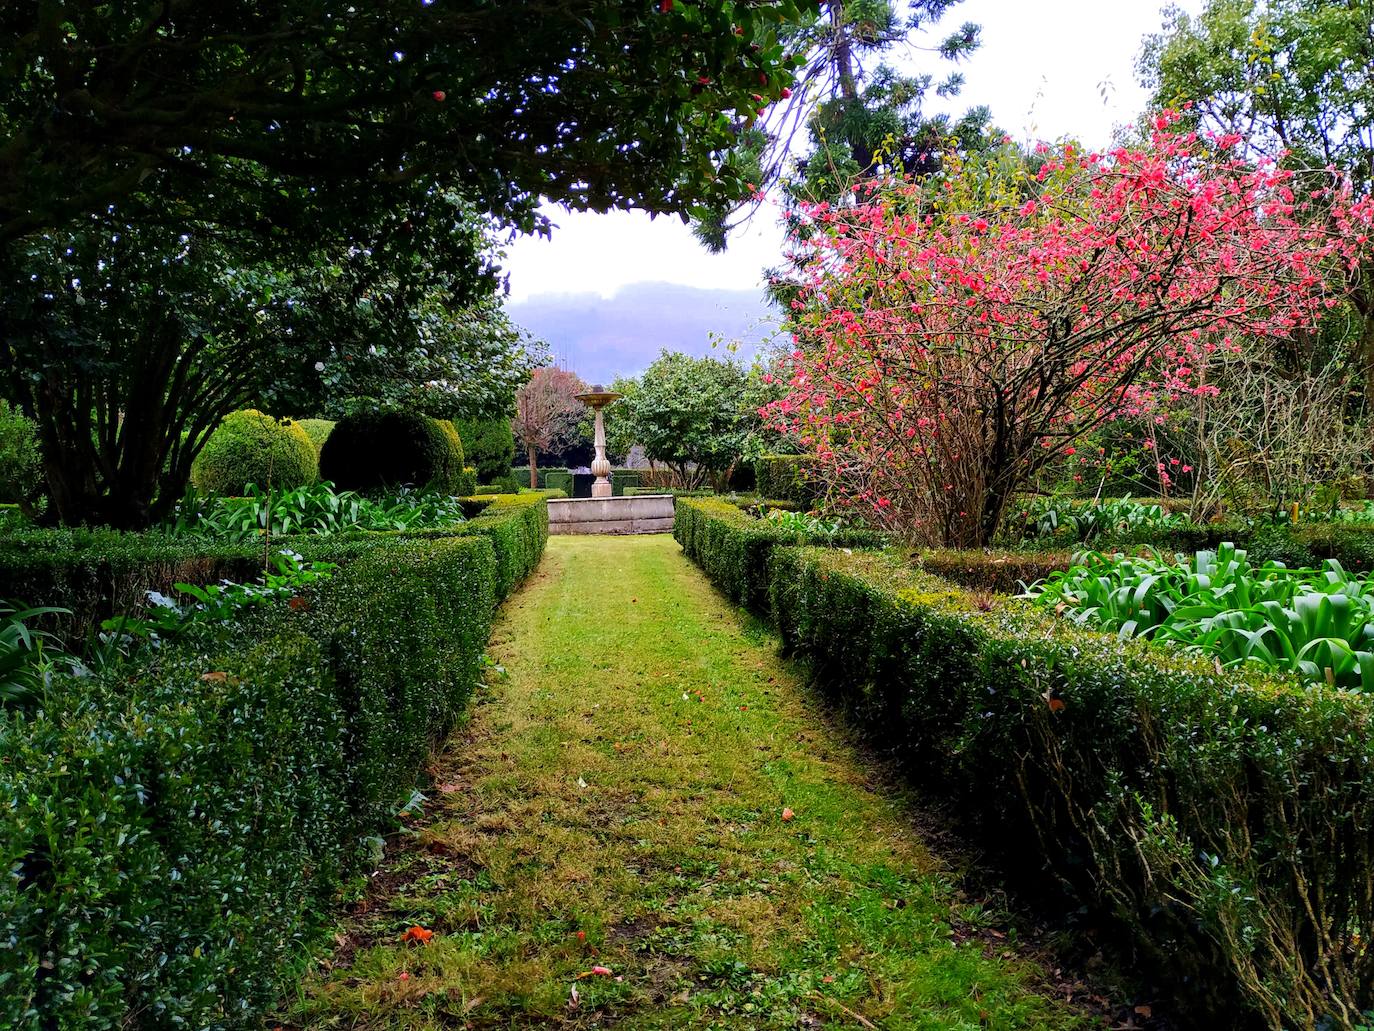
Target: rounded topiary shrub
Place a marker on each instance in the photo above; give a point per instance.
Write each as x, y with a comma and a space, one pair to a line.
458, 458
370, 451
317, 430
249, 447
489, 445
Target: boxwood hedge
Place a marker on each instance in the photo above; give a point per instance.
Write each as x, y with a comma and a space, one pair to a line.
733, 546
175, 833
1221, 819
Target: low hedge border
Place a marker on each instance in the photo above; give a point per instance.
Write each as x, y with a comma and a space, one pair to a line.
177, 833
1222, 820
733, 547
96, 572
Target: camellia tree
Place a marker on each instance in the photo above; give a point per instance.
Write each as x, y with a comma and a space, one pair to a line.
547, 412
956, 334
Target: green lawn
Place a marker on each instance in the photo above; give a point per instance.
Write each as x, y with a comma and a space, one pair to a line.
618, 802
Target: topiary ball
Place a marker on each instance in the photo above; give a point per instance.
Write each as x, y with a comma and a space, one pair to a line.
249, 447
371, 451
489, 446
317, 430
451, 432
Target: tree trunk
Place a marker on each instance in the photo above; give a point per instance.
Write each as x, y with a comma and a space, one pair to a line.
534, 468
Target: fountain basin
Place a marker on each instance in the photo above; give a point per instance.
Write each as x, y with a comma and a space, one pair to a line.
638, 513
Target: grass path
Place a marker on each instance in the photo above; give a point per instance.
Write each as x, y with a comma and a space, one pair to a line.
621, 802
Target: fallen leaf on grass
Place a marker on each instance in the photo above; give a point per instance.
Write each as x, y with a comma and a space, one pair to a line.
787, 815
417, 934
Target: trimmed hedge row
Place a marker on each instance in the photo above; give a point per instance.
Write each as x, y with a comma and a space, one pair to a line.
733, 547
176, 834
96, 572
1222, 820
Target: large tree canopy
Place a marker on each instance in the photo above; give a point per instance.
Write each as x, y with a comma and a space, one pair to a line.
1283, 77
206, 205
128, 342
594, 103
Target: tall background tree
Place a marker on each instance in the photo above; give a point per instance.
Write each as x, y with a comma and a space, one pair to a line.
547, 413
852, 112
1283, 76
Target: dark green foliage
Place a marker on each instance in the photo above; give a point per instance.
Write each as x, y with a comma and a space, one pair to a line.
370, 451
733, 547
177, 832
783, 477
557, 479
250, 447
136, 808
489, 445
518, 527
21, 461
1000, 572
622, 480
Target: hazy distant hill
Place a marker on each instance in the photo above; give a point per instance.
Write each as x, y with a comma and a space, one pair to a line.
601, 338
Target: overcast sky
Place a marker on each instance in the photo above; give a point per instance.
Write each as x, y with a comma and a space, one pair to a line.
1045, 69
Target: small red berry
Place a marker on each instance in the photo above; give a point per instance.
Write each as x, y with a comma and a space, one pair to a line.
439, 95
664, 6
786, 92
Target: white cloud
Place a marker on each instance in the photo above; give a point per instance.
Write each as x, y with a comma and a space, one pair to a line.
1060, 67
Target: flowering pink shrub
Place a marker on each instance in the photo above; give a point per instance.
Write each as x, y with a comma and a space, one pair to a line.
955, 334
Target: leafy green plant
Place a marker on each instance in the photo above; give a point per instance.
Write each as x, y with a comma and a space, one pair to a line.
27, 654
1315, 623
216, 603
315, 509
811, 528
1086, 520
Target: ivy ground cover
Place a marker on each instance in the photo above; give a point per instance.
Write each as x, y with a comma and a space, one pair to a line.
648, 824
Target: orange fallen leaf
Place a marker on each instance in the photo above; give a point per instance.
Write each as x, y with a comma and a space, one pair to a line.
417, 934
787, 815
1144, 1011
216, 677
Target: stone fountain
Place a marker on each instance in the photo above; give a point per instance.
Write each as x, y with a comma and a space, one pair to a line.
603, 512
596, 399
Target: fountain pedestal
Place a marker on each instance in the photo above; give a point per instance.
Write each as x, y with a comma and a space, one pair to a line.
596, 399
